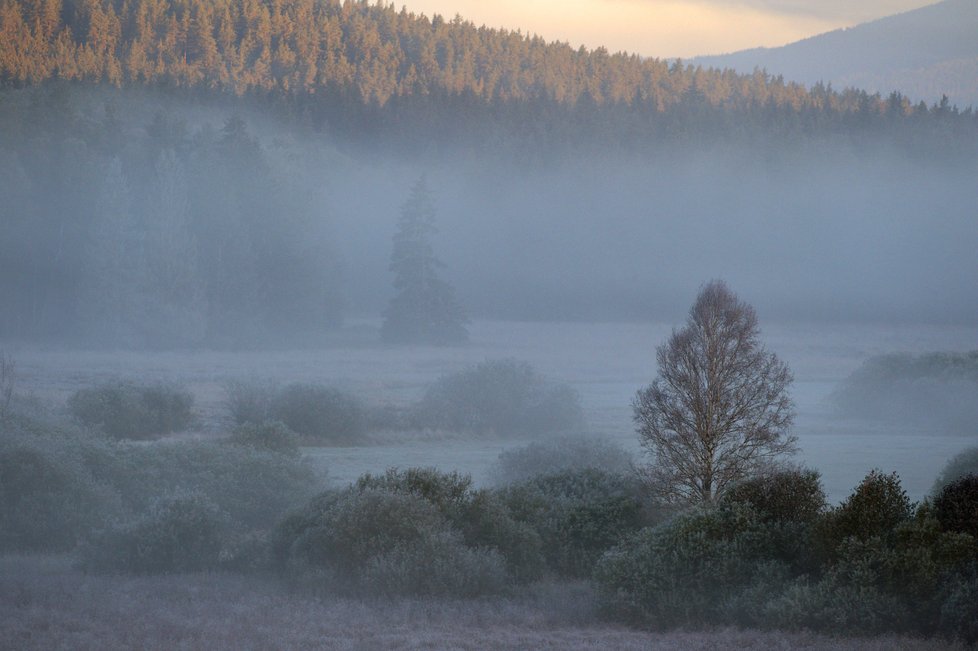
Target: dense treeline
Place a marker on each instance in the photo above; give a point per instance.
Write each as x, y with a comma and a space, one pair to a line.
138, 231
364, 68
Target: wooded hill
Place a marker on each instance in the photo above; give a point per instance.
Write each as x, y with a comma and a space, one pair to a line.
370, 70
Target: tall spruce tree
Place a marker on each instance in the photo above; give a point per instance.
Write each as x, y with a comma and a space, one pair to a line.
424, 308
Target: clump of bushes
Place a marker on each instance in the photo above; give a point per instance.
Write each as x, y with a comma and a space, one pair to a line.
49, 497
403, 533
578, 515
501, 398
125, 410
319, 415
57, 486
560, 454
180, 533
268, 436
885, 564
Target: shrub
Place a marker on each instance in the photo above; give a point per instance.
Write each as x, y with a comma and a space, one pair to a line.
181, 533
268, 436
558, 455
875, 508
318, 414
956, 507
683, 572
503, 398
253, 487
578, 514
787, 496
372, 541
124, 410
48, 496
482, 519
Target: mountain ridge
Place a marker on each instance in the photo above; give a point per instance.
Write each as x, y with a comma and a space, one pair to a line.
923, 54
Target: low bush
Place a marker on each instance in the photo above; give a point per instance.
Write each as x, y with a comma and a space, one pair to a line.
501, 398
372, 541
124, 410
481, 518
686, 571
959, 607
49, 498
180, 533
578, 514
557, 455
875, 508
318, 414
268, 436
787, 496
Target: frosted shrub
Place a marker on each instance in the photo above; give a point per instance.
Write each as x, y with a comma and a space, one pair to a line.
685, 571
557, 455
180, 533
578, 514
268, 436
318, 414
371, 541
124, 410
49, 498
501, 398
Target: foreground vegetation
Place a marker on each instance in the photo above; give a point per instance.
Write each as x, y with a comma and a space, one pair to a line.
770, 555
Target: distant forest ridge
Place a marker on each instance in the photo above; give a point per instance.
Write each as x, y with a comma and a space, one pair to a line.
357, 64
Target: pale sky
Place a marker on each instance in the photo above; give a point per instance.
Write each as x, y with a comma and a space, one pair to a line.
668, 28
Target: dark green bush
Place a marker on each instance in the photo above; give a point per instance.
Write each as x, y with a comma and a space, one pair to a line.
557, 455
124, 410
787, 496
956, 507
482, 519
372, 541
318, 414
269, 436
578, 514
686, 571
502, 398
874, 509
180, 533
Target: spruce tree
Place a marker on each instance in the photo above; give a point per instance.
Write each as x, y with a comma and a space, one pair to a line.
424, 309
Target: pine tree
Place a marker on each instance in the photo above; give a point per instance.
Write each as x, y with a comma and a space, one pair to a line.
424, 309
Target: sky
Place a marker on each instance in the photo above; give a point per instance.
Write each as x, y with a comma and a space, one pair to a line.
669, 28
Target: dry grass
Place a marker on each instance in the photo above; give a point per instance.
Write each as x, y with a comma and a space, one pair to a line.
44, 604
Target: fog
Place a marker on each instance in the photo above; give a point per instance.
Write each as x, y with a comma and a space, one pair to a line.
806, 235
263, 233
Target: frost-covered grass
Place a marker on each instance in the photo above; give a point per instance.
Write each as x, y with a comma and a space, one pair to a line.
44, 604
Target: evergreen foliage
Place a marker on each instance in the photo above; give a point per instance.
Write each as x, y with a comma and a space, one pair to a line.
424, 309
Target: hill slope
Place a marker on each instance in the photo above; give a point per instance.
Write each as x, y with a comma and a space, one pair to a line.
922, 53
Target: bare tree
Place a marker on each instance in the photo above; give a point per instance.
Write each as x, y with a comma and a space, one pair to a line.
719, 411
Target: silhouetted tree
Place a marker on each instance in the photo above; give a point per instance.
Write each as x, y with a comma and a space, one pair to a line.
424, 309
719, 411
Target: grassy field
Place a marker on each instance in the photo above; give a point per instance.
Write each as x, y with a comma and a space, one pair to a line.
46, 605
605, 362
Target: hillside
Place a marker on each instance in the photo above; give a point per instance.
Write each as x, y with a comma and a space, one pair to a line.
923, 54
370, 71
